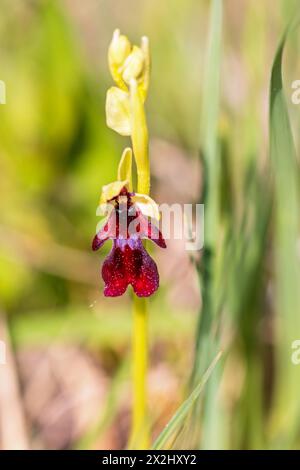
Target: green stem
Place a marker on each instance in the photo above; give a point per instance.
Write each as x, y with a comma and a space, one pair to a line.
139, 433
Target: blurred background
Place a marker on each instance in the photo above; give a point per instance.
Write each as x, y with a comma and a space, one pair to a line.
66, 383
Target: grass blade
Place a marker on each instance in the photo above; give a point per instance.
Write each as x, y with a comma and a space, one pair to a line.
210, 112
206, 343
287, 220
182, 412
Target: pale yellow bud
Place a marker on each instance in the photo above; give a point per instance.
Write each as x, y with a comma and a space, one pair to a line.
119, 48
118, 113
134, 65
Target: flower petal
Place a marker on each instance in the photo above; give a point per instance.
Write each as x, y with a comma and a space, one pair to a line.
133, 65
149, 230
112, 190
98, 242
125, 167
129, 263
114, 273
119, 48
146, 205
108, 230
145, 277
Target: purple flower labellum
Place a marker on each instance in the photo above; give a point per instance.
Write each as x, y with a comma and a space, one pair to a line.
128, 261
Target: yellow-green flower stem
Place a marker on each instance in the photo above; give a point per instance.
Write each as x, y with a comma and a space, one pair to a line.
139, 135
139, 438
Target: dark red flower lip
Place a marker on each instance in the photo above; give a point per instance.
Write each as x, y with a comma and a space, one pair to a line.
128, 262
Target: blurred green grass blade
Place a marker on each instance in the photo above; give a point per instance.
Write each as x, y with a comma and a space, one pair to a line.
209, 145
206, 342
287, 222
211, 92
209, 118
182, 412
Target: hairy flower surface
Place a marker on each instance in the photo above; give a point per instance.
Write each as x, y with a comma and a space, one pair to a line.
128, 261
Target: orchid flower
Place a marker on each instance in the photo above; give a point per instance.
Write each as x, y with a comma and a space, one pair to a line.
127, 224
131, 215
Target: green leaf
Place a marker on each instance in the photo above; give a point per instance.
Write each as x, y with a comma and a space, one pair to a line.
209, 144
206, 342
287, 223
182, 412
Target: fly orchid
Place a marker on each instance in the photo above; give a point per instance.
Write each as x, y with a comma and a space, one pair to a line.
131, 216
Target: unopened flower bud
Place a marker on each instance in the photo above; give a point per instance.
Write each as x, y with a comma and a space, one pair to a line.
134, 65
119, 48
